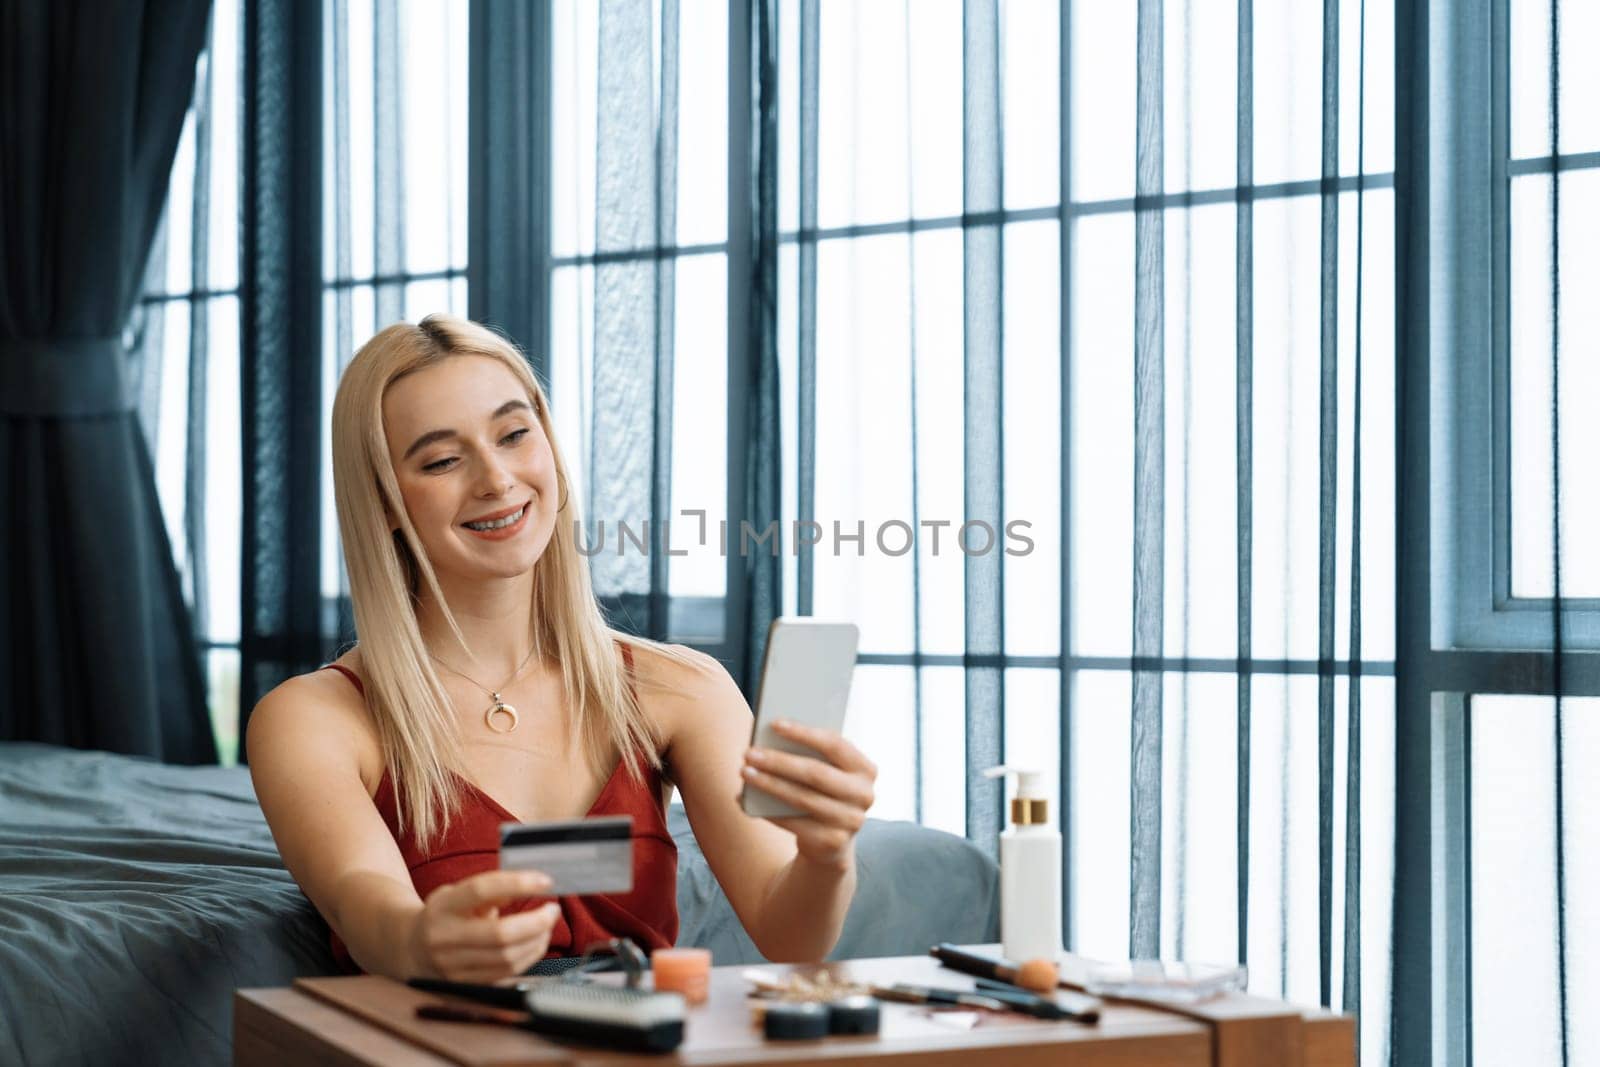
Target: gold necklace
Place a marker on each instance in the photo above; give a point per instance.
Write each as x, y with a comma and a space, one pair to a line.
498, 706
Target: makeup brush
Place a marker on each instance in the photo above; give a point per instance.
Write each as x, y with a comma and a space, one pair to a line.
1036, 978
1039, 976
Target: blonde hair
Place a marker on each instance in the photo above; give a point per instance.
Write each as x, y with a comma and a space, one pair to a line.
404, 694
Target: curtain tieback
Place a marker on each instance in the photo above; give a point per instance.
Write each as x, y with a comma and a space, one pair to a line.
53, 377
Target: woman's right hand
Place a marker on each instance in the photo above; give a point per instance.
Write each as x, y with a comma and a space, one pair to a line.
460, 934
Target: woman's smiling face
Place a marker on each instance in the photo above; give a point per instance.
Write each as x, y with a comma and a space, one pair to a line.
469, 455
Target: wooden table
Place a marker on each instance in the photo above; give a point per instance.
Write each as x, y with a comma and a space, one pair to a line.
367, 1020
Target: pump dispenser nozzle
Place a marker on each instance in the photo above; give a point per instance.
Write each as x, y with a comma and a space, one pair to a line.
1030, 806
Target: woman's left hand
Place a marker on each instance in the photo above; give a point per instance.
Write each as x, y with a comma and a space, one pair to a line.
834, 791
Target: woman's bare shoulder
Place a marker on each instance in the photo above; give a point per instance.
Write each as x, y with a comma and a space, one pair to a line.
675, 670
675, 681
323, 707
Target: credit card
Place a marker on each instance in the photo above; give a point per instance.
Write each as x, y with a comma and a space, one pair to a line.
580, 856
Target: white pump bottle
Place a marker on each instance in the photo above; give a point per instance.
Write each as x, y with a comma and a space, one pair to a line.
1030, 873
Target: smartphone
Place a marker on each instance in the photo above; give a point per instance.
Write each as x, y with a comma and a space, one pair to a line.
805, 678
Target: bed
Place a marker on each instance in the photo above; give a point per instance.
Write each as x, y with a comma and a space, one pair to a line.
135, 897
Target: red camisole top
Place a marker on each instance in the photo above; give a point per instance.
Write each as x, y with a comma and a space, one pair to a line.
471, 844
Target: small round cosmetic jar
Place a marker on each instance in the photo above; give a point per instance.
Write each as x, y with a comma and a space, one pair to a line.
682, 970
853, 1015
795, 1022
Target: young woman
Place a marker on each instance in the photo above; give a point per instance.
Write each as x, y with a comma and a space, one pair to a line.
487, 688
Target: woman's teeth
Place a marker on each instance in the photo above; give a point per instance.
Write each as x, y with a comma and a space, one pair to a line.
498, 523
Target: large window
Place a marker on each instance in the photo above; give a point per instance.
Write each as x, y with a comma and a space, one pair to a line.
639, 297
1527, 818
1525, 153
393, 247
394, 218
970, 326
184, 338
1549, 171
1513, 377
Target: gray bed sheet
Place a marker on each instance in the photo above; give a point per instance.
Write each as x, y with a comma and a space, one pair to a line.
136, 897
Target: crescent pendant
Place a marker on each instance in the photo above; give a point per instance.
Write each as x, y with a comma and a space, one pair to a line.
498, 707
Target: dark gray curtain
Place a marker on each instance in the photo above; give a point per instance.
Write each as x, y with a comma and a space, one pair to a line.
762, 590
285, 626
95, 643
1410, 1003
1564, 1021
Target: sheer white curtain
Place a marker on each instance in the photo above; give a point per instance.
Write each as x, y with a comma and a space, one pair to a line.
1113, 282
1174, 361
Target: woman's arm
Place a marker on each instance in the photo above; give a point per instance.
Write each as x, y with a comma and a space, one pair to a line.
302, 742
789, 880
308, 780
